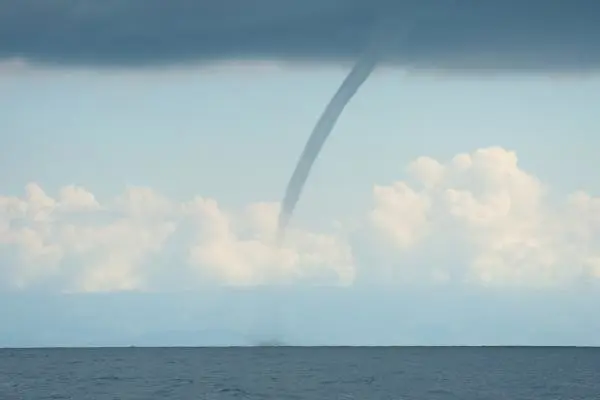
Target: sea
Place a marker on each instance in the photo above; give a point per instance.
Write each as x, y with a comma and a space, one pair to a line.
367, 373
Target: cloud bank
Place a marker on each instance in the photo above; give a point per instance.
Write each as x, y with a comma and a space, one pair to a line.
454, 34
477, 219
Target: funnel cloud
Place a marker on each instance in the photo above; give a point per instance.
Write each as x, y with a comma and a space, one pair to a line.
319, 135
385, 36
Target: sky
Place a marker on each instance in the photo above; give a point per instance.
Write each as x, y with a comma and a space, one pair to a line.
138, 205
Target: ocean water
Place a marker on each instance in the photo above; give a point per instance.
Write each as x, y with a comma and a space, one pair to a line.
491, 373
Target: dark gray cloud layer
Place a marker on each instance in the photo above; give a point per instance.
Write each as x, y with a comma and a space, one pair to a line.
473, 34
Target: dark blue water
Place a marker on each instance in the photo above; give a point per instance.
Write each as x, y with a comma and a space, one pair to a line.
301, 373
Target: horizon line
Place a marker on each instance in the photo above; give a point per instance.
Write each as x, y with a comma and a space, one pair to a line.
90, 347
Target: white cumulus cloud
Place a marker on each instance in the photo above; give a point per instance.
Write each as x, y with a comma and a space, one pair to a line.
481, 218
75, 243
476, 219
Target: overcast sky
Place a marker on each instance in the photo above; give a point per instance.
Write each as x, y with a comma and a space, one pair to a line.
445, 209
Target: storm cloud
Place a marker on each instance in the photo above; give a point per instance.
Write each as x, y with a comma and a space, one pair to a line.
508, 35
